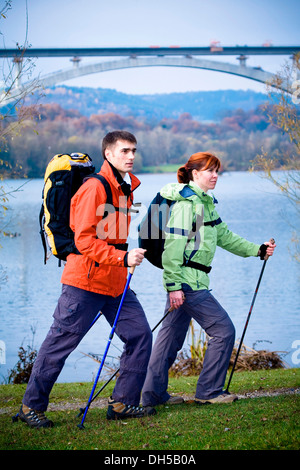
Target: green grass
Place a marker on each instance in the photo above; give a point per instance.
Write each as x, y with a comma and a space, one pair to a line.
262, 423
168, 168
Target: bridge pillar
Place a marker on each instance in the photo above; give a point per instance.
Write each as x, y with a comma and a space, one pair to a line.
76, 61
242, 59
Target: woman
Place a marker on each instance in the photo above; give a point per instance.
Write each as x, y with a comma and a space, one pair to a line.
186, 261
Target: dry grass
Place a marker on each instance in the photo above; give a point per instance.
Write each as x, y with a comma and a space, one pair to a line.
190, 362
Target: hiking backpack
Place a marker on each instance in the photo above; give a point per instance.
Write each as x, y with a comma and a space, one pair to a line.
152, 229
63, 177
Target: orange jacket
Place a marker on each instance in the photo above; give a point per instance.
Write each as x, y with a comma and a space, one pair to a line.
101, 267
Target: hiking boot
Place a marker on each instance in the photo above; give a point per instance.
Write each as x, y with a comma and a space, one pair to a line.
34, 418
223, 398
175, 400
118, 410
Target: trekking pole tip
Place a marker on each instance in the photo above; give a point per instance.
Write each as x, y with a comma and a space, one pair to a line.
80, 426
15, 418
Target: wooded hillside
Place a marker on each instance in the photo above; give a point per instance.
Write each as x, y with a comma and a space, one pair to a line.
237, 137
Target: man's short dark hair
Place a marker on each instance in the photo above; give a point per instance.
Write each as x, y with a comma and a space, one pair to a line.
112, 137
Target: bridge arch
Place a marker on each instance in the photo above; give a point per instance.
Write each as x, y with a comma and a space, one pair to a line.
76, 71
61, 76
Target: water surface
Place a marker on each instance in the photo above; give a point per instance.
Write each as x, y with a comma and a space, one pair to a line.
249, 204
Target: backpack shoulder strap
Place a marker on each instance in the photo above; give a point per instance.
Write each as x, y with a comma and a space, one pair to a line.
42, 232
105, 184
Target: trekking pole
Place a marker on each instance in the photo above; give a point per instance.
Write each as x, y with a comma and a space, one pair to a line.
272, 241
95, 319
82, 410
81, 426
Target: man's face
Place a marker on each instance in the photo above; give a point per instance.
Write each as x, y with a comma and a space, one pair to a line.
121, 156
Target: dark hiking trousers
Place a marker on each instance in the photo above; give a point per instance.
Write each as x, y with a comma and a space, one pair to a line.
75, 311
214, 320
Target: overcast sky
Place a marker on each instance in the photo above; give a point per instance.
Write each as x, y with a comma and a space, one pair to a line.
96, 23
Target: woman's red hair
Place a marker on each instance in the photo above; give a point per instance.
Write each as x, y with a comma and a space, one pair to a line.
197, 161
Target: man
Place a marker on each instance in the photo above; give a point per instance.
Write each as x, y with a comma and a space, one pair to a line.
94, 281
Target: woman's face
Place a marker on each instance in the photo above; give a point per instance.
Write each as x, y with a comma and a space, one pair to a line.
206, 179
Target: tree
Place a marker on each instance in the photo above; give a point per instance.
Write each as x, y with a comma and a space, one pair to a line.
13, 112
283, 113
13, 93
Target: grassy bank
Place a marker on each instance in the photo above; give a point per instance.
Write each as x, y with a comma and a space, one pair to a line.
260, 421
168, 168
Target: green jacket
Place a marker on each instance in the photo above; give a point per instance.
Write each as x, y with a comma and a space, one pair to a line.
191, 202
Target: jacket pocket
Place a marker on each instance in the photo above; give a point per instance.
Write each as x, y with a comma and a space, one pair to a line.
91, 270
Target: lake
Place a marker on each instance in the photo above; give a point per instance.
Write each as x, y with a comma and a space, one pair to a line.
251, 206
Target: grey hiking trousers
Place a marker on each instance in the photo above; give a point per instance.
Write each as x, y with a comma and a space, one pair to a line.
75, 311
210, 315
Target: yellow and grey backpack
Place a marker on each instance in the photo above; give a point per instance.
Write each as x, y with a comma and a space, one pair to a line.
63, 177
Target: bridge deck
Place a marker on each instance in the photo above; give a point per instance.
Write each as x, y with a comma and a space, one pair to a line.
149, 51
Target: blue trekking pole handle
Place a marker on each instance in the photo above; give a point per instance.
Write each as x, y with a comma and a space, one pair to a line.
131, 271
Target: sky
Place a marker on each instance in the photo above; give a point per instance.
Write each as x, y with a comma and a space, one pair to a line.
99, 23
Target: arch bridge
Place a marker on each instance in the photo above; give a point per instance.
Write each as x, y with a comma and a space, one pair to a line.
254, 73
153, 56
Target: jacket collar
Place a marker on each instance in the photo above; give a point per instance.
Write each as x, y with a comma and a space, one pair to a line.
110, 172
202, 194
